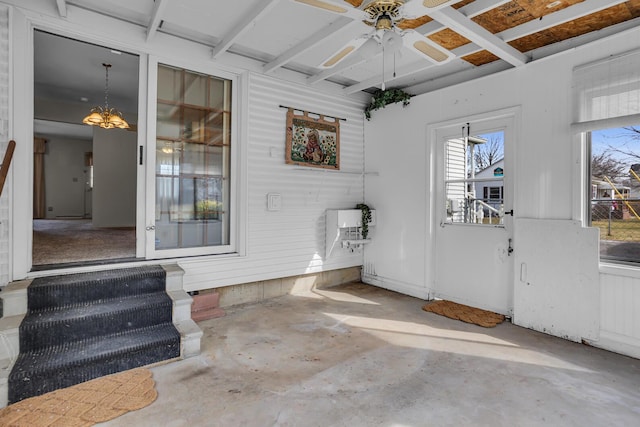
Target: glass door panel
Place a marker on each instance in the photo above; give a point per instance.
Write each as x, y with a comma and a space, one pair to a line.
192, 160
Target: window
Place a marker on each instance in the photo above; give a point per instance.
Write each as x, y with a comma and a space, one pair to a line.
492, 193
193, 160
615, 191
607, 114
474, 179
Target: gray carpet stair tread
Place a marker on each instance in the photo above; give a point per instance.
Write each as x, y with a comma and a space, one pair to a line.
95, 348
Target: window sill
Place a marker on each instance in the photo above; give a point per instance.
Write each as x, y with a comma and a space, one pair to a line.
625, 270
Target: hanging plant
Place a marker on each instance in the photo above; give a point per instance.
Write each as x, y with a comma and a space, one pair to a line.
382, 98
366, 219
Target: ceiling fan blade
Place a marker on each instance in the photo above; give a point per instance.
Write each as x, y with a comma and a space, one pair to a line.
335, 7
347, 50
418, 8
426, 48
435, 3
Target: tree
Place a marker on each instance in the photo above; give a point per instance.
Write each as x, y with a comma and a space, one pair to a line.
488, 153
604, 164
632, 153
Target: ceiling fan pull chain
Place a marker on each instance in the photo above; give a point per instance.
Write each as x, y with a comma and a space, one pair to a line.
394, 64
383, 55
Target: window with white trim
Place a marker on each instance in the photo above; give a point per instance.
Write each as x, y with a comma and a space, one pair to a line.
607, 114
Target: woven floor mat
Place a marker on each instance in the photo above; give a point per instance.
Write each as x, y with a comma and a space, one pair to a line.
487, 319
84, 404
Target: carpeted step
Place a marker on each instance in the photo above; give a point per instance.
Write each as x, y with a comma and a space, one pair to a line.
83, 326
42, 328
73, 289
47, 369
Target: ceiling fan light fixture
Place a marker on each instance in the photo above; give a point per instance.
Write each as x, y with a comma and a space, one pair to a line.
391, 41
105, 117
384, 22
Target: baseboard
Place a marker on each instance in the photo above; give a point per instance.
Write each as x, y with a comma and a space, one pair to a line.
396, 286
617, 343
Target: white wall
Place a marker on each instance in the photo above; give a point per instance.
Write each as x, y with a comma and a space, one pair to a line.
546, 172
6, 116
64, 172
114, 178
283, 243
290, 241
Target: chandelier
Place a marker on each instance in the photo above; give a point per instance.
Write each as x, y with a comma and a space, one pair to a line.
105, 117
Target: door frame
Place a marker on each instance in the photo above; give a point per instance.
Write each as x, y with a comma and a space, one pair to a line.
511, 117
236, 192
22, 29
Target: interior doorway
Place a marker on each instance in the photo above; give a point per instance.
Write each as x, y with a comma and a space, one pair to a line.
85, 177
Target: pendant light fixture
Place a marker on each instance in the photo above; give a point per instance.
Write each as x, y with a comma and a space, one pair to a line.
105, 117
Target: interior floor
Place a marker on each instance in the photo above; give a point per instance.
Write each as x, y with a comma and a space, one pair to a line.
72, 241
357, 355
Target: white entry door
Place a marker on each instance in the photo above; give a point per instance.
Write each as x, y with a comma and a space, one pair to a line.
473, 212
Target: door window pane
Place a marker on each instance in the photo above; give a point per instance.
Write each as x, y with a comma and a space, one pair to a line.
192, 159
474, 177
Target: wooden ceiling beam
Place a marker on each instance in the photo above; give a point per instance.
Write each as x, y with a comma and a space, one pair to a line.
62, 8
479, 35
242, 26
156, 17
557, 18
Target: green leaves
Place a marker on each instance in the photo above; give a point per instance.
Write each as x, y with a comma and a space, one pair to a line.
382, 98
366, 219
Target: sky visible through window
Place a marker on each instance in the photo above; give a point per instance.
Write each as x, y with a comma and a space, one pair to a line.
622, 144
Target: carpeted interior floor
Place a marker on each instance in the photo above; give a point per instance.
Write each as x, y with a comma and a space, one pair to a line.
85, 404
60, 241
452, 310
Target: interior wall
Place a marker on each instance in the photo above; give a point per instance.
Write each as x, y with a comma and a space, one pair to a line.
281, 243
64, 172
546, 169
289, 241
114, 178
6, 116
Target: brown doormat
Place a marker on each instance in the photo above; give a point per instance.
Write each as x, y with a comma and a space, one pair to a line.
487, 319
84, 404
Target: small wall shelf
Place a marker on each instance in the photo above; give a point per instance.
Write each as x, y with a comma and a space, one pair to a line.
344, 230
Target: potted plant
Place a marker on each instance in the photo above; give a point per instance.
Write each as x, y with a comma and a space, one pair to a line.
366, 219
382, 98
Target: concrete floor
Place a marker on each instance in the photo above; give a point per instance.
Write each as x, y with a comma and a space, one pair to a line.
356, 355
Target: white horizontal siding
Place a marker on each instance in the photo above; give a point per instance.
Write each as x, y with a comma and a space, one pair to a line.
291, 241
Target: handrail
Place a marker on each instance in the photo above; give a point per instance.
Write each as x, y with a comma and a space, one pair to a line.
6, 162
621, 196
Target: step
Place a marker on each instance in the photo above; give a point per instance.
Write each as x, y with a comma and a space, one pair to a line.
38, 372
53, 327
14, 298
59, 291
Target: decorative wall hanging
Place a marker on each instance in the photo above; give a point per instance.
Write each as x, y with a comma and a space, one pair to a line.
312, 142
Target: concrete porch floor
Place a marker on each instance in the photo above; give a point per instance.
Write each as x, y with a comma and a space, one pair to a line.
357, 355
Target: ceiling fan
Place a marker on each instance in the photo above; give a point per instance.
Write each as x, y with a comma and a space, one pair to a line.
388, 26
